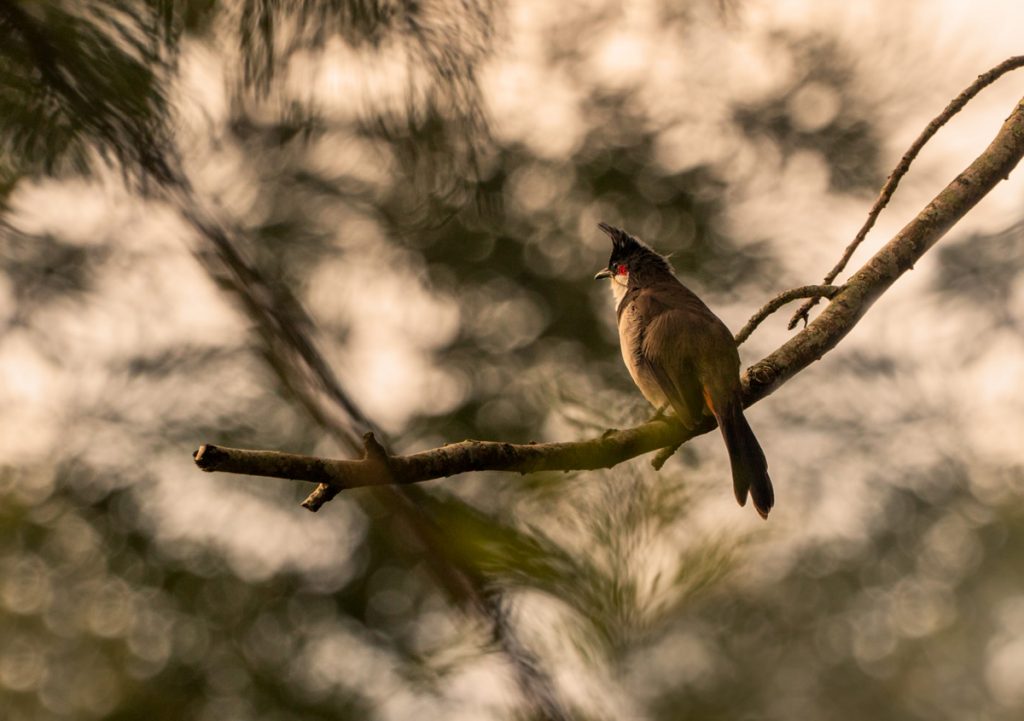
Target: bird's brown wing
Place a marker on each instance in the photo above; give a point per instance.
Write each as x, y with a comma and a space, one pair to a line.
671, 323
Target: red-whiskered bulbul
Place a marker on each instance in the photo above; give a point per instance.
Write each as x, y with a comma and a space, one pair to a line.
681, 356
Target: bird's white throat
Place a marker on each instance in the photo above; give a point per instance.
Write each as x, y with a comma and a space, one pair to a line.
620, 283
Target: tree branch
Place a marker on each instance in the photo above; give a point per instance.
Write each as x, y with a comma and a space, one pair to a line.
610, 449
894, 259
847, 307
954, 107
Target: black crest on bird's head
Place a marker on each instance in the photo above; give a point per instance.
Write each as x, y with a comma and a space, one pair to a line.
632, 252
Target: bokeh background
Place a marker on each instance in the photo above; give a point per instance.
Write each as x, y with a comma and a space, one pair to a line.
425, 179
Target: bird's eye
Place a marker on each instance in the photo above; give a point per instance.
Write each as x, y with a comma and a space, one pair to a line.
621, 269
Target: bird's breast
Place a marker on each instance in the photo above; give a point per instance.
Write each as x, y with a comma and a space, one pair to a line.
631, 341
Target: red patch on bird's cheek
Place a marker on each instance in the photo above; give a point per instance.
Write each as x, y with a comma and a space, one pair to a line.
621, 269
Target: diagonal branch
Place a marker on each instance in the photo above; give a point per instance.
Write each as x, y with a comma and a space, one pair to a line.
893, 260
847, 307
954, 107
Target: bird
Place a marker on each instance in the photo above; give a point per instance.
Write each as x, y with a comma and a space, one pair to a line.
683, 357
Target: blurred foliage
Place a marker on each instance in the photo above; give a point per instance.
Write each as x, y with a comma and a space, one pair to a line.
885, 638
983, 270
95, 71
131, 588
814, 115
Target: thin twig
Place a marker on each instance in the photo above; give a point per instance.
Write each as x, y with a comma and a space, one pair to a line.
957, 104
804, 291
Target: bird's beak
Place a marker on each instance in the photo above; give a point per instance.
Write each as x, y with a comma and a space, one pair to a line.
601, 275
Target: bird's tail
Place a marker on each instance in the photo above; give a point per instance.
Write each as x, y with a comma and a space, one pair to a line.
749, 467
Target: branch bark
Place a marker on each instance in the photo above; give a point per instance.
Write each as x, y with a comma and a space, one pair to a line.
847, 307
